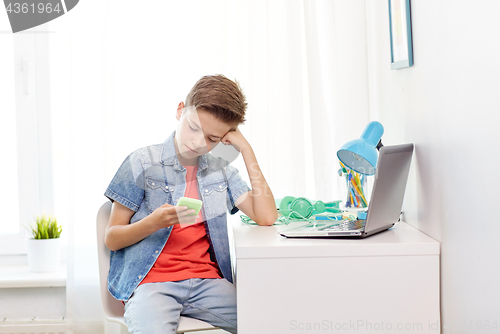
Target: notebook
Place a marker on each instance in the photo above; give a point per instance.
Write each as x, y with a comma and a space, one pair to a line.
384, 208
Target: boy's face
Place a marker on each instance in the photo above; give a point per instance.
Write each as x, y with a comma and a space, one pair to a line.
198, 132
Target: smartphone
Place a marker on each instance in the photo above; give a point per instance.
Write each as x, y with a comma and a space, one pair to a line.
191, 203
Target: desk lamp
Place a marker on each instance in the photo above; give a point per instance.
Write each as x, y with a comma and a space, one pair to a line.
361, 154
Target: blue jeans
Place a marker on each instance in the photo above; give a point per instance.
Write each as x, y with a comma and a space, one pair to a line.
154, 308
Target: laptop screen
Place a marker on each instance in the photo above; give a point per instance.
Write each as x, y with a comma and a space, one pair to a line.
391, 176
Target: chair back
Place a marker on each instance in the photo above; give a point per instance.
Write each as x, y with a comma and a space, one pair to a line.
112, 308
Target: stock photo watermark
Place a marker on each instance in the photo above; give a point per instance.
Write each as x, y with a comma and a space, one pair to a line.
362, 325
486, 326
26, 14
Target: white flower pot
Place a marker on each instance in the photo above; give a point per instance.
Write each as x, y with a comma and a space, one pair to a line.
44, 255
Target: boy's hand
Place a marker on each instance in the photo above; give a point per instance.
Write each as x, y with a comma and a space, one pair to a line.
120, 233
168, 215
236, 139
260, 205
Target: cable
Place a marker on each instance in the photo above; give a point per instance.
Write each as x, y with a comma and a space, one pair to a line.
285, 220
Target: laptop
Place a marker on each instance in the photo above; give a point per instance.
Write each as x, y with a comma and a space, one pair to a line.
384, 208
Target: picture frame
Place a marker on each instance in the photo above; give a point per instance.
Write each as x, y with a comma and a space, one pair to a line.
400, 32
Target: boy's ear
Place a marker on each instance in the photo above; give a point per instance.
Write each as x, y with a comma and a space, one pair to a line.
180, 107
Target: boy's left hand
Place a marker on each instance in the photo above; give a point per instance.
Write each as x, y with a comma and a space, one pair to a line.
236, 139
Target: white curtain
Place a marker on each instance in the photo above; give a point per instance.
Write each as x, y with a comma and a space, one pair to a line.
120, 68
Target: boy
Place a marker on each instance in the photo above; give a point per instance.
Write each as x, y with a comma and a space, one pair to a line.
165, 261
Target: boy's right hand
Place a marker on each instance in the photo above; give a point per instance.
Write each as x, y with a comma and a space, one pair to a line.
120, 233
168, 215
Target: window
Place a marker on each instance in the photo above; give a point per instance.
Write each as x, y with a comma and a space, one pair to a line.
8, 139
26, 164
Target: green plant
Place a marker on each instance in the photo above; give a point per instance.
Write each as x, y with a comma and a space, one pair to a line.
45, 228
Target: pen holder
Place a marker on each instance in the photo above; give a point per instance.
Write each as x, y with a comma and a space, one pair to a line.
355, 188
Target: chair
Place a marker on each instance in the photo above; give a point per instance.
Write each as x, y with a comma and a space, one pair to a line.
113, 309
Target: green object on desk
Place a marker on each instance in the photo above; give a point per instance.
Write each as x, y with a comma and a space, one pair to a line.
300, 209
303, 208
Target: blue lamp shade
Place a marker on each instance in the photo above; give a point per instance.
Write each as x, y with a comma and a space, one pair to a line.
361, 154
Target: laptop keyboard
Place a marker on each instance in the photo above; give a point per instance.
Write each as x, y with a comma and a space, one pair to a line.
346, 225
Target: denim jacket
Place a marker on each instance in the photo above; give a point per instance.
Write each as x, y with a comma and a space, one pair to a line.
153, 176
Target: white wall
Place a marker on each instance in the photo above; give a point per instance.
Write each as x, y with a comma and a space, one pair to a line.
448, 105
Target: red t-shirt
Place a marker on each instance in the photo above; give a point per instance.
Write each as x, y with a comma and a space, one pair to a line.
186, 253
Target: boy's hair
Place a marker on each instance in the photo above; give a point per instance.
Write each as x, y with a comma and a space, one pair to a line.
221, 97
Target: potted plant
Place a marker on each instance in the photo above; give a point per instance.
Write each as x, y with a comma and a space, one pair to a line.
44, 248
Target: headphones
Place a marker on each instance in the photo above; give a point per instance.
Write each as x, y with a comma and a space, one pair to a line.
303, 208
300, 208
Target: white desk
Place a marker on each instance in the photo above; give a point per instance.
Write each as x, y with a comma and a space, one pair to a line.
388, 282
